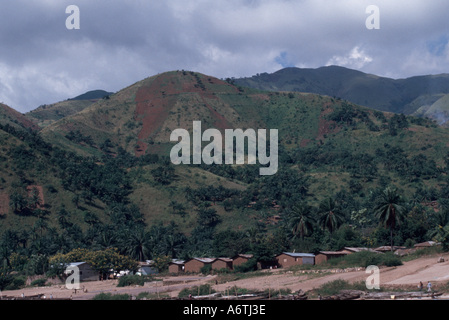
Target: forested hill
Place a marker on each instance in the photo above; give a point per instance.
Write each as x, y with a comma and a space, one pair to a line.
101, 178
418, 95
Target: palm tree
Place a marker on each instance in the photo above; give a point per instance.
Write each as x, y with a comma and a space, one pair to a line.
390, 211
137, 243
331, 217
300, 221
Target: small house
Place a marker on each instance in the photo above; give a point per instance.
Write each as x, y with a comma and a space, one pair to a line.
222, 263
289, 259
426, 244
240, 259
388, 248
147, 268
194, 265
86, 272
324, 256
176, 266
357, 249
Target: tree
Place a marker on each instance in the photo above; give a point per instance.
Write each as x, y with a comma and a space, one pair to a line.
389, 210
17, 201
331, 217
137, 243
300, 221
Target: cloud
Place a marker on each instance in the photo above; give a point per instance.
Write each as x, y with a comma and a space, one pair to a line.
355, 59
122, 42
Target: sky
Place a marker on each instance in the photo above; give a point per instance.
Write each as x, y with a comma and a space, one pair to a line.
50, 53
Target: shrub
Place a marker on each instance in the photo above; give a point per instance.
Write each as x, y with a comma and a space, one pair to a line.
248, 266
130, 280
202, 290
334, 287
390, 260
206, 269
16, 283
39, 282
109, 296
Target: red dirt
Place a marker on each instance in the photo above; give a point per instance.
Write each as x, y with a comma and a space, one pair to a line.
154, 102
406, 276
15, 115
326, 126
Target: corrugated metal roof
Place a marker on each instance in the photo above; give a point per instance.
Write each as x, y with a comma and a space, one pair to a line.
205, 260
333, 252
76, 263
176, 261
225, 259
248, 256
299, 254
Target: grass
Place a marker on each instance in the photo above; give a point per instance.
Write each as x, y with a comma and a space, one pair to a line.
202, 290
110, 296
431, 251
335, 287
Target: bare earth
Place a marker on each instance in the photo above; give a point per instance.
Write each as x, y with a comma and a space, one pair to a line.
406, 276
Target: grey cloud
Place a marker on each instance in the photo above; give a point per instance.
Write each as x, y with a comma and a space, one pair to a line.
122, 42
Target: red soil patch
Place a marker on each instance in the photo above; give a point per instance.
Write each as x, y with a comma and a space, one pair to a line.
304, 142
154, 102
15, 115
326, 126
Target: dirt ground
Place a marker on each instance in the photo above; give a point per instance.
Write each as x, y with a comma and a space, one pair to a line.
406, 276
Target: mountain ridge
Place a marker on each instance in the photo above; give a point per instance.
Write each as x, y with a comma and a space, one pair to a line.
380, 93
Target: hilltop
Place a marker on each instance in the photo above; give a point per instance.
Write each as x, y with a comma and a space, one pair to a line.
47, 114
385, 94
11, 117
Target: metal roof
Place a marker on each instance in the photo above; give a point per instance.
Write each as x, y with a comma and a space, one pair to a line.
334, 252
298, 254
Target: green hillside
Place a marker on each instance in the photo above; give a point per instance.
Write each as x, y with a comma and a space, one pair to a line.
437, 109
47, 114
102, 178
380, 93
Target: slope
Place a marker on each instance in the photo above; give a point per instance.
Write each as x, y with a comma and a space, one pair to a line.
141, 117
47, 114
336, 143
385, 94
9, 116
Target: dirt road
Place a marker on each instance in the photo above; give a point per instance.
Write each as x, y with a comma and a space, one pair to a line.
407, 275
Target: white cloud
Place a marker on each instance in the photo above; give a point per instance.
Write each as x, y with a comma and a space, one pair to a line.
355, 59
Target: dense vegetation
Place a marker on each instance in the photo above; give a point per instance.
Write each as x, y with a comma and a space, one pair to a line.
384, 187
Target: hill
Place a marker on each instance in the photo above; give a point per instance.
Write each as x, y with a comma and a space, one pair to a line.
102, 178
380, 93
9, 116
93, 95
47, 114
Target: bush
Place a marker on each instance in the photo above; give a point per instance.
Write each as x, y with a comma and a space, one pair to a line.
334, 287
248, 266
16, 283
202, 290
39, 282
206, 269
109, 296
390, 260
5, 279
130, 280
